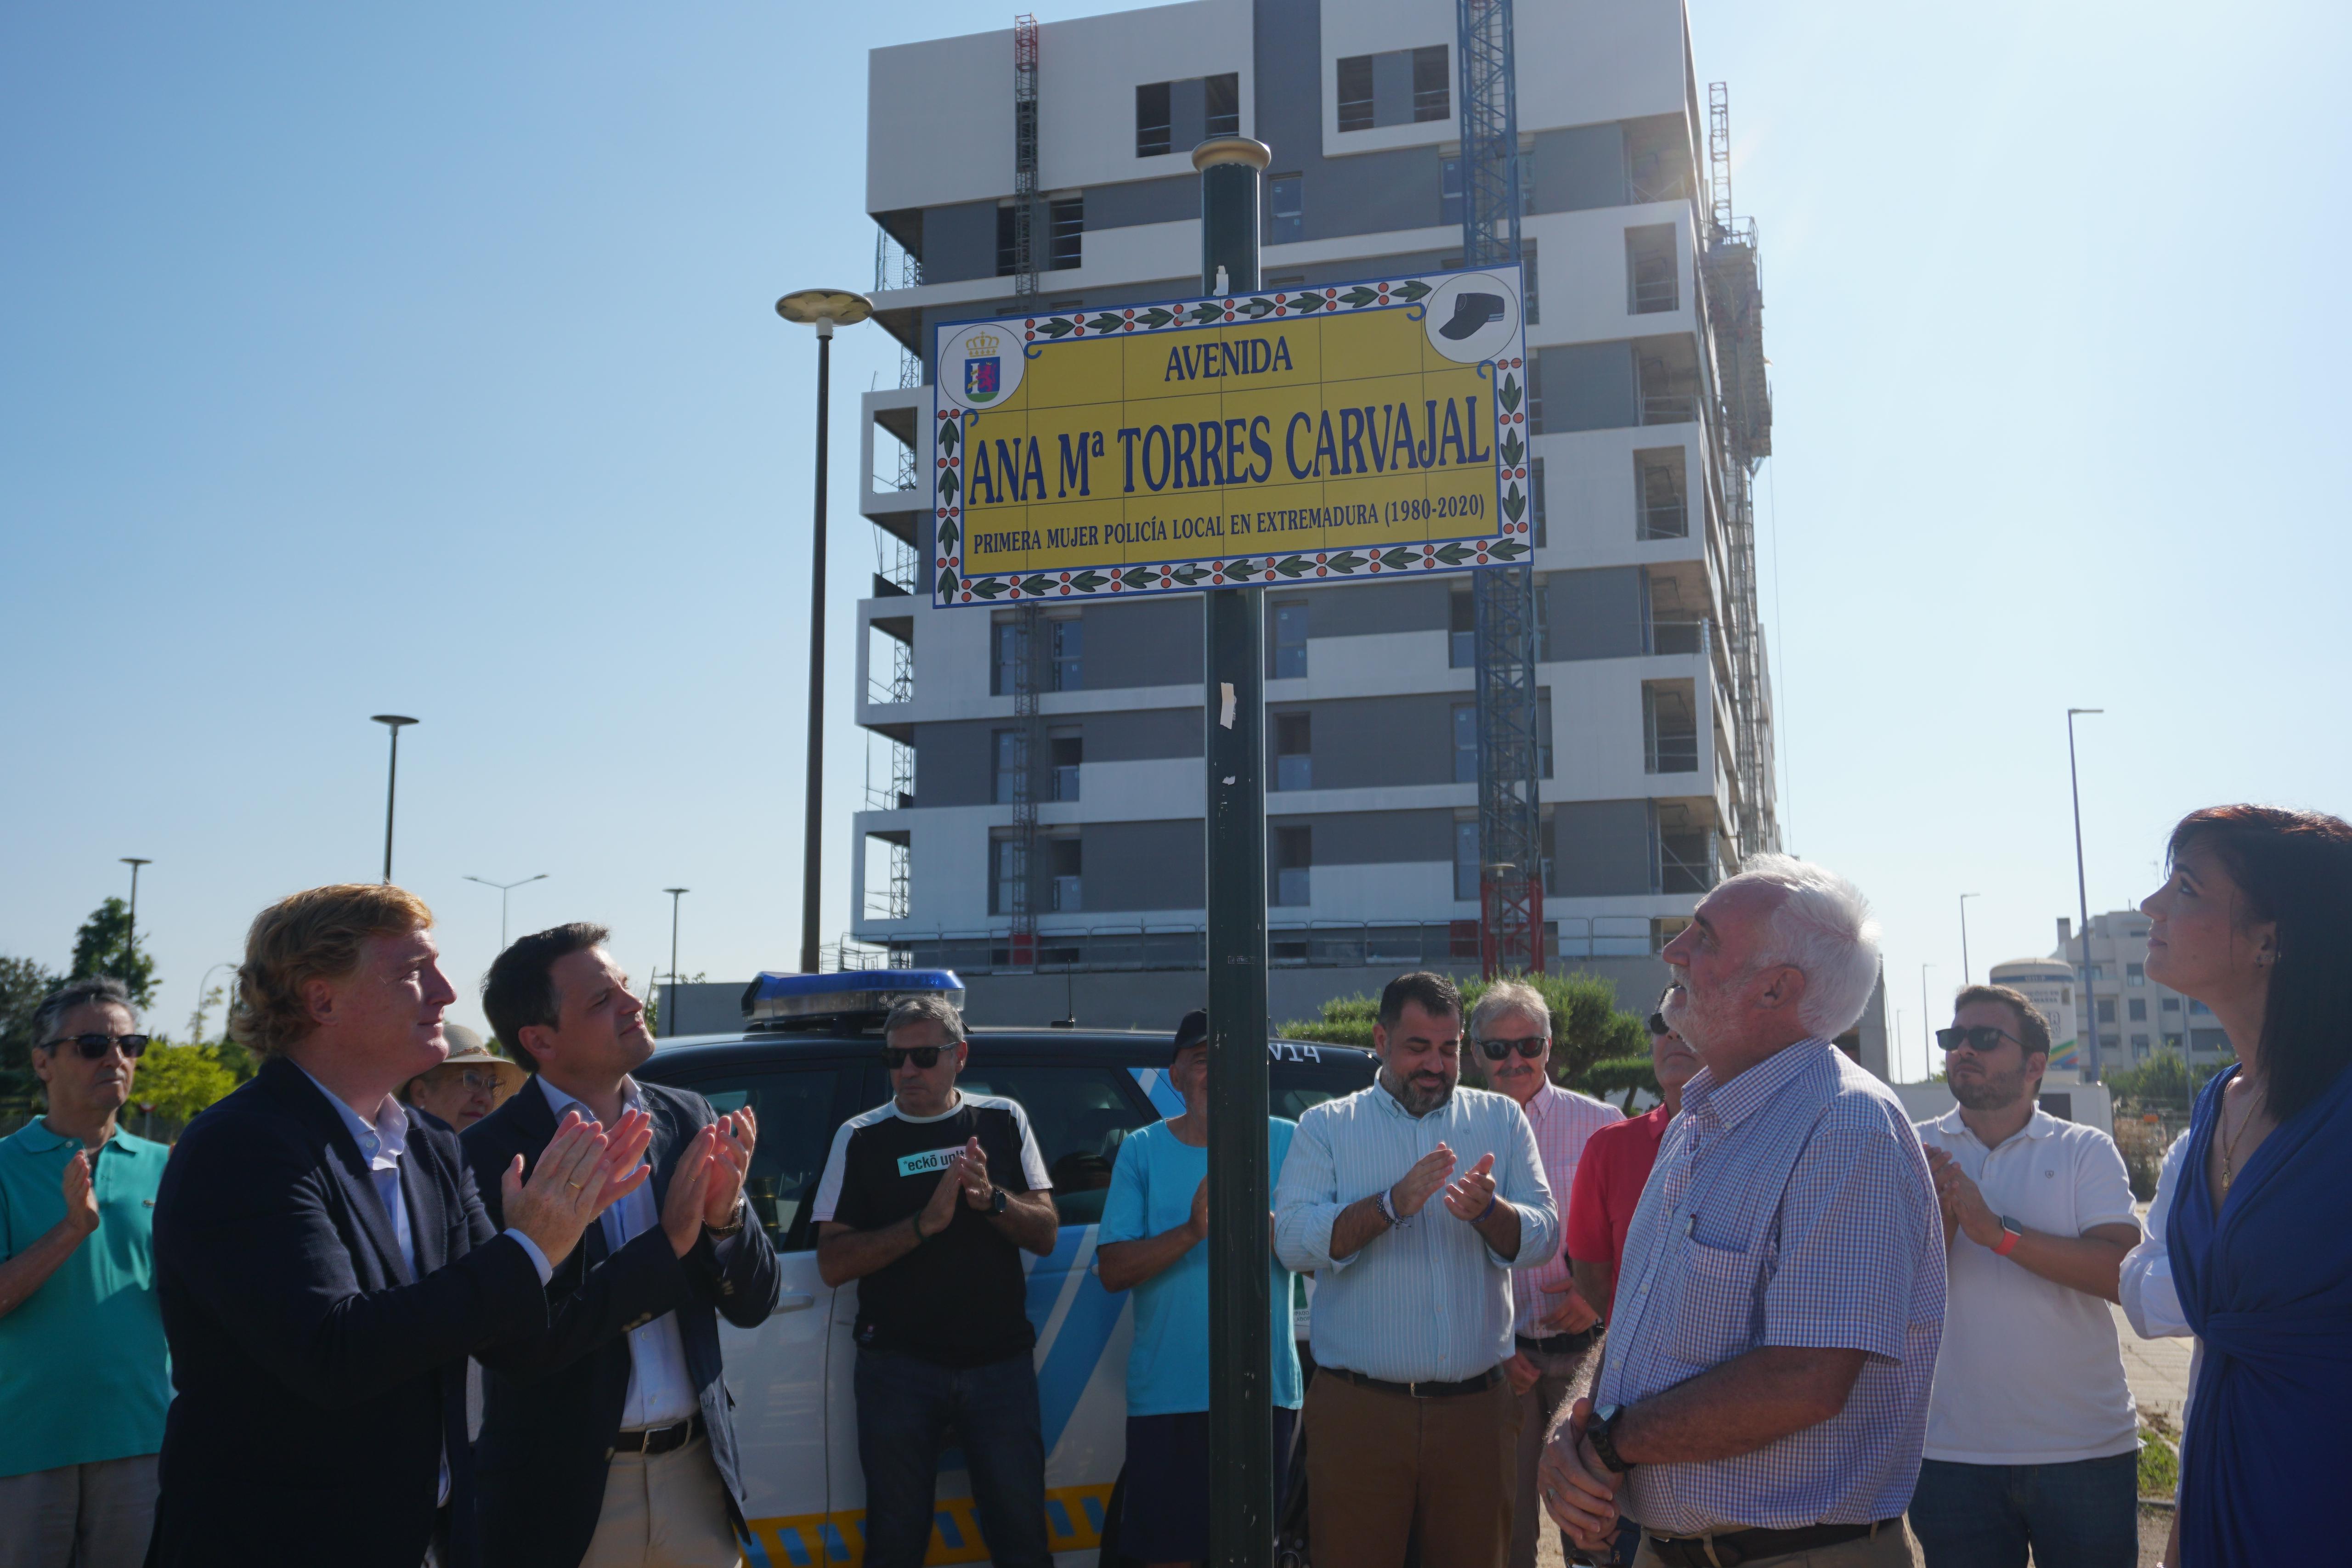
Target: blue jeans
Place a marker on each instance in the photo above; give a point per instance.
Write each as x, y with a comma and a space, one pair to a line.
905, 1409
2084, 1514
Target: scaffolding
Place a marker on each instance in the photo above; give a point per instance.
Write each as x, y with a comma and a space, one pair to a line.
1510, 827
1735, 315
1024, 155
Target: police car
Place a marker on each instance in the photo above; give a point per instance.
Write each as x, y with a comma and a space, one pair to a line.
808, 1059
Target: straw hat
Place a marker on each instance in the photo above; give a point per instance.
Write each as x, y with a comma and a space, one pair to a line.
466, 1049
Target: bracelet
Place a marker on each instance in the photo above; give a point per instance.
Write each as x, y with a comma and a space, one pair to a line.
1492, 1199
916, 1219
1387, 1205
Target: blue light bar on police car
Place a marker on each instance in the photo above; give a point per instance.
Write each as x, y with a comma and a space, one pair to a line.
848, 997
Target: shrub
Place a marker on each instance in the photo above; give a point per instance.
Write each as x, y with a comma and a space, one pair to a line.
1587, 1028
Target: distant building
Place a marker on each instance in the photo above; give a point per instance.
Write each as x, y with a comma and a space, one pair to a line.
2049, 985
1646, 374
2131, 1017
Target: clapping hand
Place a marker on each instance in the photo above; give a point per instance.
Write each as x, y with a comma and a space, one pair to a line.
733, 1137
81, 1199
1962, 1201
1427, 1174
1474, 1194
972, 1171
581, 1171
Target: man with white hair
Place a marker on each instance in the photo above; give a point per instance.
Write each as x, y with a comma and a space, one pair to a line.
1764, 1399
1552, 1327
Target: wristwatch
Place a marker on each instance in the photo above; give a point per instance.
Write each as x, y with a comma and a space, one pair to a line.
734, 1221
1387, 1208
998, 1202
1605, 1442
2013, 1232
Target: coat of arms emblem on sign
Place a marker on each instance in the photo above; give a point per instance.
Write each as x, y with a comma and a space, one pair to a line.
981, 368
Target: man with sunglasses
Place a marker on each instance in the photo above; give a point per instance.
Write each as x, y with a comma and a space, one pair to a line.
927, 1202
84, 1375
2032, 1439
1553, 1326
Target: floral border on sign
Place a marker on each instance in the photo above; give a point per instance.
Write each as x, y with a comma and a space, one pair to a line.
1189, 574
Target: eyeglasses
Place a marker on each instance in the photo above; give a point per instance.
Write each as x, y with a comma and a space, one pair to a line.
926, 1057
1529, 1046
476, 1082
1979, 1037
93, 1045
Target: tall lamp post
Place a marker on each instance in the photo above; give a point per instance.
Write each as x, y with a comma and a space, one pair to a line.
1967, 977
131, 942
670, 1014
1926, 1027
504, 888
391, 721
823, 309
2087, 1030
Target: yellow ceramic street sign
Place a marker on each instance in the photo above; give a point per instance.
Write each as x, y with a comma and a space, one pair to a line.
1346, 431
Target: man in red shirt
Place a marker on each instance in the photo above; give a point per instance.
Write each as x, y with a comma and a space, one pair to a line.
1615, 1166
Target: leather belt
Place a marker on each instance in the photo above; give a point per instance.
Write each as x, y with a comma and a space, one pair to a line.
1562, 1344
658, 1439
1484, 1381
1727, 1548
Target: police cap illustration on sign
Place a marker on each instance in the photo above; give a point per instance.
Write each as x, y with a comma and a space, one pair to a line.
1473, 317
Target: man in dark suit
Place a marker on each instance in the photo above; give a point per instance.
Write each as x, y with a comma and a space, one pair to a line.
607, 1442
324, 1265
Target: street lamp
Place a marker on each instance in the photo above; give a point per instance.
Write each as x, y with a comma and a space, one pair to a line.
670, 1022
2087, 1029
504, 888
228, 1001
1965, 977
392, 721
131, 942
822, 309
1927, 1026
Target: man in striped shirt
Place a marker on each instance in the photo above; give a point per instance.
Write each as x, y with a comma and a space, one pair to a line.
1764, 1396
1552, 1324
1410, 1419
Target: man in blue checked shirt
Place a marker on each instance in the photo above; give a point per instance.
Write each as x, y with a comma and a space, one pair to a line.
1410, 1420
1764, 1396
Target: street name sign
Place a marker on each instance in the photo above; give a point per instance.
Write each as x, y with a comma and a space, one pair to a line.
1346, 432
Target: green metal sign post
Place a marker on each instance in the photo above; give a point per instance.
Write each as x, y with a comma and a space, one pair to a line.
1241, 1347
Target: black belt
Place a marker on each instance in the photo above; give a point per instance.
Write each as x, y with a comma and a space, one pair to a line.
1484, 1381
1727, 1548
1562, 1344
658, 1439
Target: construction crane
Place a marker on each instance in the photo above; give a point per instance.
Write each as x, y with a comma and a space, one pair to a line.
1510, 823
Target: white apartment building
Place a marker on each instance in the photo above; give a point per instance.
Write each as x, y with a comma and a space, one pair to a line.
1648, 792
2135, 1017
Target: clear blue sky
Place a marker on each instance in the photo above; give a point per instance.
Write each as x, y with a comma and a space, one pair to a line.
422, 360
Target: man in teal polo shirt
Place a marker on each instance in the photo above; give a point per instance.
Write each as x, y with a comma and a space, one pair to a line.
84, 1376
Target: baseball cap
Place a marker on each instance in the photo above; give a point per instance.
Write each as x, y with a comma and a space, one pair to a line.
1192, 1032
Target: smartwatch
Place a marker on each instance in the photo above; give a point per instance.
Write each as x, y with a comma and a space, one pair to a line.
998, 1202
2013, 1232
1604, 1440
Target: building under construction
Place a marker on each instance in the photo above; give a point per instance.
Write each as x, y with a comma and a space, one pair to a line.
1539, 767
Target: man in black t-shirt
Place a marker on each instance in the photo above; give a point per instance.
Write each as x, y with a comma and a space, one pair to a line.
927, 1202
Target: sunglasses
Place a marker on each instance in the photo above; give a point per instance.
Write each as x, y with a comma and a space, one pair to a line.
926, 1057
1658, 1024
1529, 1046
1981, 1038
93, 1045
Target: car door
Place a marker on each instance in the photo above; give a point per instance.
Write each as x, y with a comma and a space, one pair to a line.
777, 1373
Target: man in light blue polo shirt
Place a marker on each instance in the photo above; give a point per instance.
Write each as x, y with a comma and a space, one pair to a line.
1155, 1228
84, 1375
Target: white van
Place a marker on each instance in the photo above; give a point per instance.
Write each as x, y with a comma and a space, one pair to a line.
796, 1416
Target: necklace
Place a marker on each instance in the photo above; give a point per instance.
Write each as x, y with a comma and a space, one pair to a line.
2230, 1144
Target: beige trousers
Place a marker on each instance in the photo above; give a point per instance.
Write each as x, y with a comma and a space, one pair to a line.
1888, 1548
1378, 1463
666, 1510
79, 1516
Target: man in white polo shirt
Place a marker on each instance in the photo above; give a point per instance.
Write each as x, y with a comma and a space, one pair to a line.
2032, 1440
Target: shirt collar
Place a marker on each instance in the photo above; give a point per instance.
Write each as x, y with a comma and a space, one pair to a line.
1733, 1103
380, 1143
2041, 1124
36, 1139
1546, 1095
559, 1102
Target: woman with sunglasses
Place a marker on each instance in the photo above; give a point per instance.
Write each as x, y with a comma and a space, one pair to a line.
84, 1376
2255, 922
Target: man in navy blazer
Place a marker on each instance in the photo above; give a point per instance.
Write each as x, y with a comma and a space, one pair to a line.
324, 1265
607, 1441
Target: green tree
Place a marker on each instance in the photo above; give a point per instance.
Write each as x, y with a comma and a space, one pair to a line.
23, 984
1585, 1025
103, 946
179, 1080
